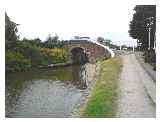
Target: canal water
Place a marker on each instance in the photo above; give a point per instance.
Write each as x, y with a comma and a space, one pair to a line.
51, 93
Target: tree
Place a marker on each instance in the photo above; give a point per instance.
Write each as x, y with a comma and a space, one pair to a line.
52, 42
100, 40
10, 32
124, 46
107, 42
139, 29
35, 41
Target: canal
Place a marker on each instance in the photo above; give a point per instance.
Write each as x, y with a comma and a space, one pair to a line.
55, 92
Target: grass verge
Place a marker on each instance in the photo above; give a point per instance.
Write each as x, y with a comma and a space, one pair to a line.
102, 102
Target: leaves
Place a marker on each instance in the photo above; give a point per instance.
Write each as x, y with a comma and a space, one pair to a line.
10, 32
139, 24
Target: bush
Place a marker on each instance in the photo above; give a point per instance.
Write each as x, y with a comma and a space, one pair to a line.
26, 55
29, 51
16, 62
150, 56
53, 56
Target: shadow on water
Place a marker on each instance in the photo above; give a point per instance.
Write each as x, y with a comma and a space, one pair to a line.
45, 93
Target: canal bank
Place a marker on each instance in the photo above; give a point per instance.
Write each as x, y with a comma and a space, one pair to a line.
102, 100
94, 73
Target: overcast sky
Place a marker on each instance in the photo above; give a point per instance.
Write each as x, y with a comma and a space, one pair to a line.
67, 18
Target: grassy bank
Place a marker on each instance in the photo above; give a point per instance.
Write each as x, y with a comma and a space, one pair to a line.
102, 102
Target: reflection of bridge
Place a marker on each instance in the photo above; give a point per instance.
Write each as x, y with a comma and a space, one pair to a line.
82, 50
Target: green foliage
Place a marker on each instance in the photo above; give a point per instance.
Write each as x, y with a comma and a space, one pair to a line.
150, 57
53, 42
124, 46
25, 54
107, 42
30, 51
100, 40
35, 41
114, 46
27, 50
144, 15
10, 32
15, 61
102, 102
53, 56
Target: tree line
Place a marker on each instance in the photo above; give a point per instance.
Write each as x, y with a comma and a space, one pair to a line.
107, 42
143, 19
143, 28
25, 54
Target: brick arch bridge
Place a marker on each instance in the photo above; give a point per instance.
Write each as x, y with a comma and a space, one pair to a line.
87, 50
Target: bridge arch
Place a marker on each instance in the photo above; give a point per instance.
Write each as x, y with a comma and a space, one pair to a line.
89, 50
78, 55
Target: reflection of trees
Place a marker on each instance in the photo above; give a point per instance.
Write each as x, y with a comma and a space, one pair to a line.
75, 74
80, 76
83, 76
10, 32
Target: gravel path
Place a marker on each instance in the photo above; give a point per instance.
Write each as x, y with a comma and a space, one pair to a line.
134, 100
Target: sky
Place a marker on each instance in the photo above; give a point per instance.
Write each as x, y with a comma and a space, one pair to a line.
67, 18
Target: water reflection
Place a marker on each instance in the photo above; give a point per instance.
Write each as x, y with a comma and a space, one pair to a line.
45, 93
80, 78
